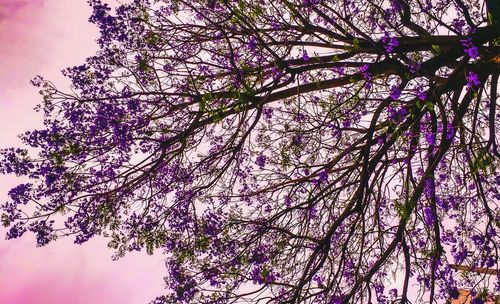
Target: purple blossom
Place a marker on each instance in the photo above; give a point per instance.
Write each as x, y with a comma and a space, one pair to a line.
470, 49
459, 255
335, 300
310, 2
472, 80
421, 94
297, 139
477, 301
313, 212
429, 217
268, 113
346, 123
319, 280
395, 92
472, 52
450, 131
323, 176
415, 67
260, 275
261, 161
458, 24
252, 43
430, 138
393, 293
366, 75
395, 6
16, 230
21, 193
288, 201
259, 256
391, 44
477, 239
396, 115
305, 56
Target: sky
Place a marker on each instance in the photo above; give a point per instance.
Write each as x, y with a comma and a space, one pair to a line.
41, 37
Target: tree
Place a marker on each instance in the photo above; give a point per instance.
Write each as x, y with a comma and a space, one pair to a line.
289, 151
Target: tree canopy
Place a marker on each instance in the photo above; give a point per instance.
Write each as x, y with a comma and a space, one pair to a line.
284, 151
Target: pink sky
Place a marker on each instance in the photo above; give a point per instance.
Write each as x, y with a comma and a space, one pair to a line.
42, 37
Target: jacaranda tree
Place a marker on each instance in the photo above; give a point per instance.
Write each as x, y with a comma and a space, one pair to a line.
284, 151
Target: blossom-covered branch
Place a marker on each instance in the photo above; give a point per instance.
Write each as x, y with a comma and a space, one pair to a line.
290, 151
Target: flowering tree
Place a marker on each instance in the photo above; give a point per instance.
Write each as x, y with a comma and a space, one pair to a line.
288, 151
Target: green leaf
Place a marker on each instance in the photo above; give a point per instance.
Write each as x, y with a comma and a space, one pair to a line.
285, 158
355, 43
429, 105
57, 159
202, 243
483, 162
203, 105
419, 104
436, 49
143, 65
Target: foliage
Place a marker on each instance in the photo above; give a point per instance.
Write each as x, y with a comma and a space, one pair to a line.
289, 151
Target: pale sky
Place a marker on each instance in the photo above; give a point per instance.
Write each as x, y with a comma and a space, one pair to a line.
41, 37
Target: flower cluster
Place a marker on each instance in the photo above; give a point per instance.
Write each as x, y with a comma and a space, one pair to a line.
470, 49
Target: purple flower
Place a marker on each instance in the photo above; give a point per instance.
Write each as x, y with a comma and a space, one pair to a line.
395, 92
396, 115
458, 24
429, 217
252, 43
393, 42
395, 6
268, 113
478, 240
15, 231
421, 94
477, 301
449, 131
461, 254
393, 293
470, 49
305, 56
323, 176
430, 138
310, 2
472, 80
297, 139
490, 261
415, 67
313, 212
319, 280
335, 300
346, 123
288, 201
259, 256
261, 275
472, 52
261, 161
364, 72
21, 193
491, 232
